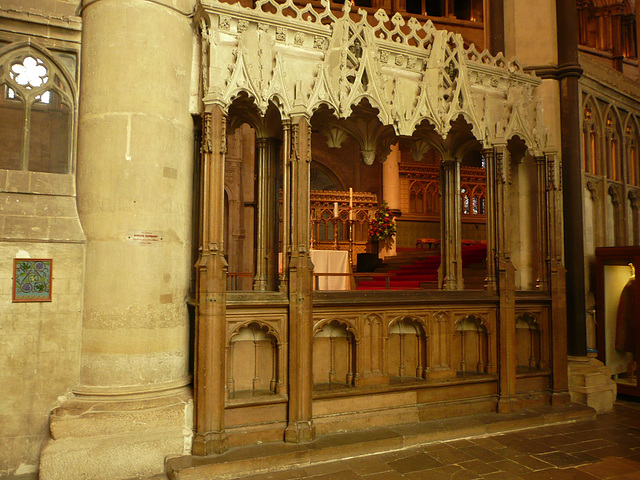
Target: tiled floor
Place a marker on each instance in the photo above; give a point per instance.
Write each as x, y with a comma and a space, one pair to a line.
605, 448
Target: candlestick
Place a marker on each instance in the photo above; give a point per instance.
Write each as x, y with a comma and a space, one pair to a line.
335, 209
350, 203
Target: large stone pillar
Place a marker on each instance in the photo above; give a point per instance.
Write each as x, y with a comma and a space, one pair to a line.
450, 271
134, 195
134, 181
569, 72
300, 427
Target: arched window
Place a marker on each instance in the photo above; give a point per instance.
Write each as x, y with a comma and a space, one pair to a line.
590, 140
632, 160
614, 171
36, 112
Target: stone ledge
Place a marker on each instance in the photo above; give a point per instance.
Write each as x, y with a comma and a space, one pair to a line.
241, 461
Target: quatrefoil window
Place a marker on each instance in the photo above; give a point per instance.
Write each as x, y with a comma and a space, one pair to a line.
31, 73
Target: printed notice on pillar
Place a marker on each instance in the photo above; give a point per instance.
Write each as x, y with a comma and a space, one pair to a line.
145, 237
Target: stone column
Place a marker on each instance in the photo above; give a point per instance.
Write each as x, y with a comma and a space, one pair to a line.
569, 72
495, 42
391, 189
450, 271
134, 195
490, 213
505, 277
211, 270
300, 426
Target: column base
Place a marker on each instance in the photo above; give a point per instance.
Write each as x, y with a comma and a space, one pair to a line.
509, 405
121, 437
559, 399
209, 443
590, 383
300, 432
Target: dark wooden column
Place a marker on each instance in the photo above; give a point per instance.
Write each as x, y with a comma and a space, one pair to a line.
569, 72
505, 277
495, 24
300, 427
211, 271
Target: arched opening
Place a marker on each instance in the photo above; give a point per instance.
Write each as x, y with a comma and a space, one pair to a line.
334, 356
253, 364
407, 351
470, 346
528, 339
253, 167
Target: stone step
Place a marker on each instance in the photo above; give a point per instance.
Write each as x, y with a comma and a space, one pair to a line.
240, 461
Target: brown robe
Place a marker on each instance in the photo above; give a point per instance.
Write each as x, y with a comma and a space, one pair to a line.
626, 322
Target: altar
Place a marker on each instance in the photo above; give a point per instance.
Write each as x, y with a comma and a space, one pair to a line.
331, 261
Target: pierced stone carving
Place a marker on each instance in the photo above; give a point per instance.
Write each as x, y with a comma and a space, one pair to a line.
432, 77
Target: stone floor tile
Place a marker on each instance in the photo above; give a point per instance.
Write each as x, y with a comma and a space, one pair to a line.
560, 459
488, 443
390, 475
559, 474
461, 443
322, 468
612, 467
478, 466
416, 462
367, 465
341, 475
501, 476
511, 466
586, 445
611, 451
482, 453
279, 475
558, 440
439, 473
450, 456
531, 462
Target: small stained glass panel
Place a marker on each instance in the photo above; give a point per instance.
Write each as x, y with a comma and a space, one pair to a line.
32, 280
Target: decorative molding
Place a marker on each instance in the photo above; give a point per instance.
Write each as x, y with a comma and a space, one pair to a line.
409, 72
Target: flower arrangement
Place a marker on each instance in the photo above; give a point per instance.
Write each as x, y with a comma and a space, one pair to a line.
382, 226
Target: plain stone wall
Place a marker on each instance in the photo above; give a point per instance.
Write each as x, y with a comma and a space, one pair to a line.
39, 342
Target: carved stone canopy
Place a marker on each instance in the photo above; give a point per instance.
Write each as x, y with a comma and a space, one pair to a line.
386, 77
